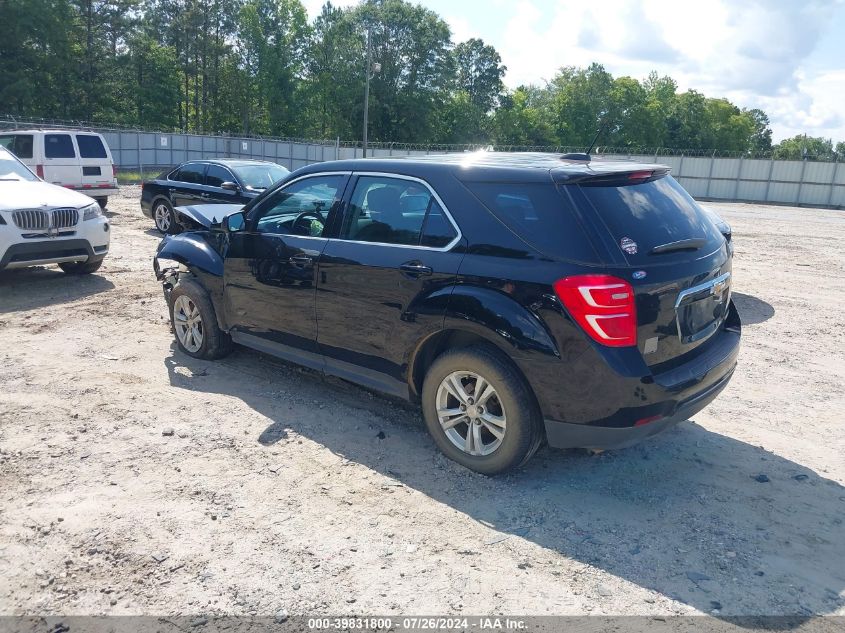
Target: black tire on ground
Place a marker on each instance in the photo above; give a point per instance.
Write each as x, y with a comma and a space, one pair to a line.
524, 431
215, 342
167, 224
102, 202
81, 268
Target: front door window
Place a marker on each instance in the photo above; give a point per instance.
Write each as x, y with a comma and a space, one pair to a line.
301, 208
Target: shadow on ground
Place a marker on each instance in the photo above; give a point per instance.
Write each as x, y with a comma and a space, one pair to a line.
751, 309
38, 287
702, 518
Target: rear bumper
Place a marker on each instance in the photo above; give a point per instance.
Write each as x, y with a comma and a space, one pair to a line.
646, 404
94, 192
565, 435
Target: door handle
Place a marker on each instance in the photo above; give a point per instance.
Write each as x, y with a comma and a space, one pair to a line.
415, 268
300, 260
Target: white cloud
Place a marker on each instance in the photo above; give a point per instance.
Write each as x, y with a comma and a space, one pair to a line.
753, 52
462, 30
314, 7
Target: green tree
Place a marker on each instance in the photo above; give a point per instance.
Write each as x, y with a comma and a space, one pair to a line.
335, 73
479, 72
156, 85
581, 101
523, 118
273, 38
411, 44
761, 138
803, 146
39, 69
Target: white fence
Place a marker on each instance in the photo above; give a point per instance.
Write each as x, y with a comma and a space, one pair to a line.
803, 183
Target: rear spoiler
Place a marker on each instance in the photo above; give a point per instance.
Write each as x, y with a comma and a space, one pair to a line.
613, 179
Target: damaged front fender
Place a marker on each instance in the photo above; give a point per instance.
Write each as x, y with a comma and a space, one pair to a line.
196, 251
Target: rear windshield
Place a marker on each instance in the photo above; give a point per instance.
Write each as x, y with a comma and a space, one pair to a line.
652, 214
19, 144
90, 146
540, 215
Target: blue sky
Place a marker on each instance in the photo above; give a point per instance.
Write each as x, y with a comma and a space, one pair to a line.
785, 56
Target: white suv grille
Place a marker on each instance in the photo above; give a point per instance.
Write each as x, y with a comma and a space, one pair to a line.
39, 220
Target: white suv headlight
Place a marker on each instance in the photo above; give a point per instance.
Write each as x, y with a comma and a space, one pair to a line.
92, 211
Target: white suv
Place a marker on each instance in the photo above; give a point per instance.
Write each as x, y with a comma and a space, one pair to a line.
42, 224
71, 158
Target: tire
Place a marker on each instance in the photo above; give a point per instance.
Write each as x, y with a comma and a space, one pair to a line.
189, 302
512, 405
102, 202
164, 217
81, 268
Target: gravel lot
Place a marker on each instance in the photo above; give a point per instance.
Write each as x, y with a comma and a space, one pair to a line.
279, 489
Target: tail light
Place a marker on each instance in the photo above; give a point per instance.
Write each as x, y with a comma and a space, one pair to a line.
39, 171
114, 170
640, 176
602, 305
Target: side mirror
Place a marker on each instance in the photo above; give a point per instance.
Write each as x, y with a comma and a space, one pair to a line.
230, 186
235, 222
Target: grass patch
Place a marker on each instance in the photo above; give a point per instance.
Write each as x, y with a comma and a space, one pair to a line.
128, 177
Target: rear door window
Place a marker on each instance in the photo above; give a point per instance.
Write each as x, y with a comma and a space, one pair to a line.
192, 173
540, 215
91, 146
58, 146
19, 144
437, 231
387, 210
652, 214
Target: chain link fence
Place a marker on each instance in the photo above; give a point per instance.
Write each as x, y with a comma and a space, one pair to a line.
706, 174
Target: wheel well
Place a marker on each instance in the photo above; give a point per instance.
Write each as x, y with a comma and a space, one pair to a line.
434, 346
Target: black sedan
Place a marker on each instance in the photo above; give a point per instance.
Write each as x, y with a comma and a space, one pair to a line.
220, 181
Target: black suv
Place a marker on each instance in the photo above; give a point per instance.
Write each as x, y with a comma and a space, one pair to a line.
205, 182
518, 297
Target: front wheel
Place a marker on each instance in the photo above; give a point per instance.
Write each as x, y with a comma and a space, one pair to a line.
480, 410
195, 322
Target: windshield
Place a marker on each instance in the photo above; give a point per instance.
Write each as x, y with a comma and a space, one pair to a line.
261, 175
12, 169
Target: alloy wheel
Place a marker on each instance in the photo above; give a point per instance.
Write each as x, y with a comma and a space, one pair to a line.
187, 321
162, 217
470, 413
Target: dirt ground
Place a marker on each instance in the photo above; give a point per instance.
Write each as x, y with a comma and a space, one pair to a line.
282, 490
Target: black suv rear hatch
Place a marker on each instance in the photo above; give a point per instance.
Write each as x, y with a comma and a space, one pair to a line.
660, 240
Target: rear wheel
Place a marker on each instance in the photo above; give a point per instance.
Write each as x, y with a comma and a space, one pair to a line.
195, 322
81, 268
164, 217
480, 410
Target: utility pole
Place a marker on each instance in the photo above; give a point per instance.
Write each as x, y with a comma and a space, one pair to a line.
367, 87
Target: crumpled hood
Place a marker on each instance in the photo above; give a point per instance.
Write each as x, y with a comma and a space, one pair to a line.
209, 214
22, 194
